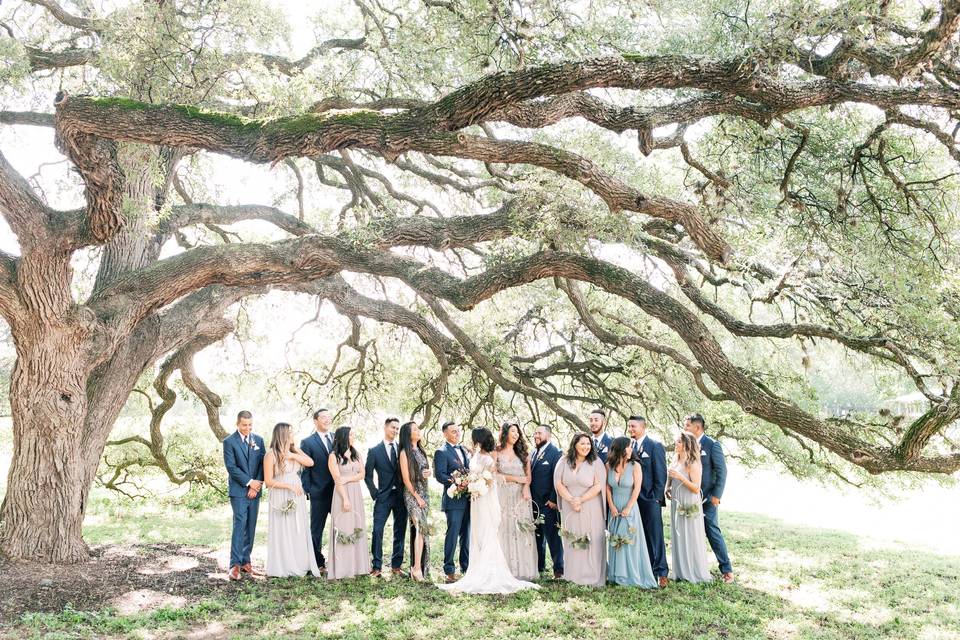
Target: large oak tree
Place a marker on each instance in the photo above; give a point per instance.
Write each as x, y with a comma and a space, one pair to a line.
483, 147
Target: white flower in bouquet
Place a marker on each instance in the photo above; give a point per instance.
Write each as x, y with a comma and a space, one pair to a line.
486, 475
451, 490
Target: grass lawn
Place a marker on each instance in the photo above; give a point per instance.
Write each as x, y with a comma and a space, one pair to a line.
792, 582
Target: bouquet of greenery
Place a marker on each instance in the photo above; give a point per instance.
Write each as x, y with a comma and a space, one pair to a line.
349, 538
688, 510
287, 507
576, 540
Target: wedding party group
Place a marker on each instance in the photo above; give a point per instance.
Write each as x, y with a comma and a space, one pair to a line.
598, 506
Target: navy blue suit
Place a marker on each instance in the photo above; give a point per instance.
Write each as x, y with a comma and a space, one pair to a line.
244, 463
604, 449
542, 463
318, 485
387, 494
457, 510
650, 502
712, 484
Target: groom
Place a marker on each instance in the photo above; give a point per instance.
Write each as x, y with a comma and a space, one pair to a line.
243, 453
447, 459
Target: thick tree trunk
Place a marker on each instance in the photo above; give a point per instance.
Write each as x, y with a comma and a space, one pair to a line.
42, 513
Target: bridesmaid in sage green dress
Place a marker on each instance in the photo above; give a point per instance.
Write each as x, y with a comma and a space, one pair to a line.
628, 562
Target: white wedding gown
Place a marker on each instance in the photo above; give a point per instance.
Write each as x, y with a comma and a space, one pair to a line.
488, 571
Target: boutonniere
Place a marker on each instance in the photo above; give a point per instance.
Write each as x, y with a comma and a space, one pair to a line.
253, 445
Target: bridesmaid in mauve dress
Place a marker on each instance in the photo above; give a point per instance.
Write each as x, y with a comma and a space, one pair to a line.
628, 561
289, 545
580, 478
348, 541
517, 537
689, 539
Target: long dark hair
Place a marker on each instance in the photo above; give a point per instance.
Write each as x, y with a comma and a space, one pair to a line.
413, 465
520, 446
341, 444
483, 437
621, 448
572, 450
280, 443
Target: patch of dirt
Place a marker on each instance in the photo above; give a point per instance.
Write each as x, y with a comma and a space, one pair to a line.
128, 578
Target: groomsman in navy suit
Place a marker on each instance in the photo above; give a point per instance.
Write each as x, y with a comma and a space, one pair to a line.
387, 494
711, 486
447, 459
243, 453
543, 459
653, 463
601, 439
317, 482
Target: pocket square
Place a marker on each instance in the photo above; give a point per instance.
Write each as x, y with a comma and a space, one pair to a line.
703, 453
546, 462
644, 455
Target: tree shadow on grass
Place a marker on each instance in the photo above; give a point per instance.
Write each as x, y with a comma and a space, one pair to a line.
793, 582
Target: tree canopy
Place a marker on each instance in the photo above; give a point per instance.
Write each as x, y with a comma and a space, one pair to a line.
653, 205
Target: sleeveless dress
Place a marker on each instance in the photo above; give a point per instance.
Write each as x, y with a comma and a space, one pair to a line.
289, 545
419, 518
628, 563
689, 539
348, 540
519, 546
488, 571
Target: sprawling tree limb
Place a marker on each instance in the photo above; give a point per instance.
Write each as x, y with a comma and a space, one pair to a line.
29, 118
604, 335
291, 67
69, 19
491, 370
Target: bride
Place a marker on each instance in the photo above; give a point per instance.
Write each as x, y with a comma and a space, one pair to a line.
488, 571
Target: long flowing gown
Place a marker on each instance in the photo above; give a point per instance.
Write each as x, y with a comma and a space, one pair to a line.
488, 571
585, 566
689, 540
519, 545
289, 545
419, 518
630, 563
348, 559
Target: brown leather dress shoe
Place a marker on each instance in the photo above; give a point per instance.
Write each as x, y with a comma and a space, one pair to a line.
727, 577
663, 581
451, 577
234, 573
397, 571
557, 575
375, 573
248, 568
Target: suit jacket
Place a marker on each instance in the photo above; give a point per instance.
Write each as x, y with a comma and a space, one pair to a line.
653, 463
445, 462
714, 468
387, 472
604, 450
316, 479
243, 463
542, 489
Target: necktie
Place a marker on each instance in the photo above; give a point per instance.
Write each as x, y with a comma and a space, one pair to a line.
326, 441
393, 453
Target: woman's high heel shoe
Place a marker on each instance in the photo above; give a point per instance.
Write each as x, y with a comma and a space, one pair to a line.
417, 576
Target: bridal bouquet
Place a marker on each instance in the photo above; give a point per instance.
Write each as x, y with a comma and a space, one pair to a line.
459, 484
576, 540
478, 483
